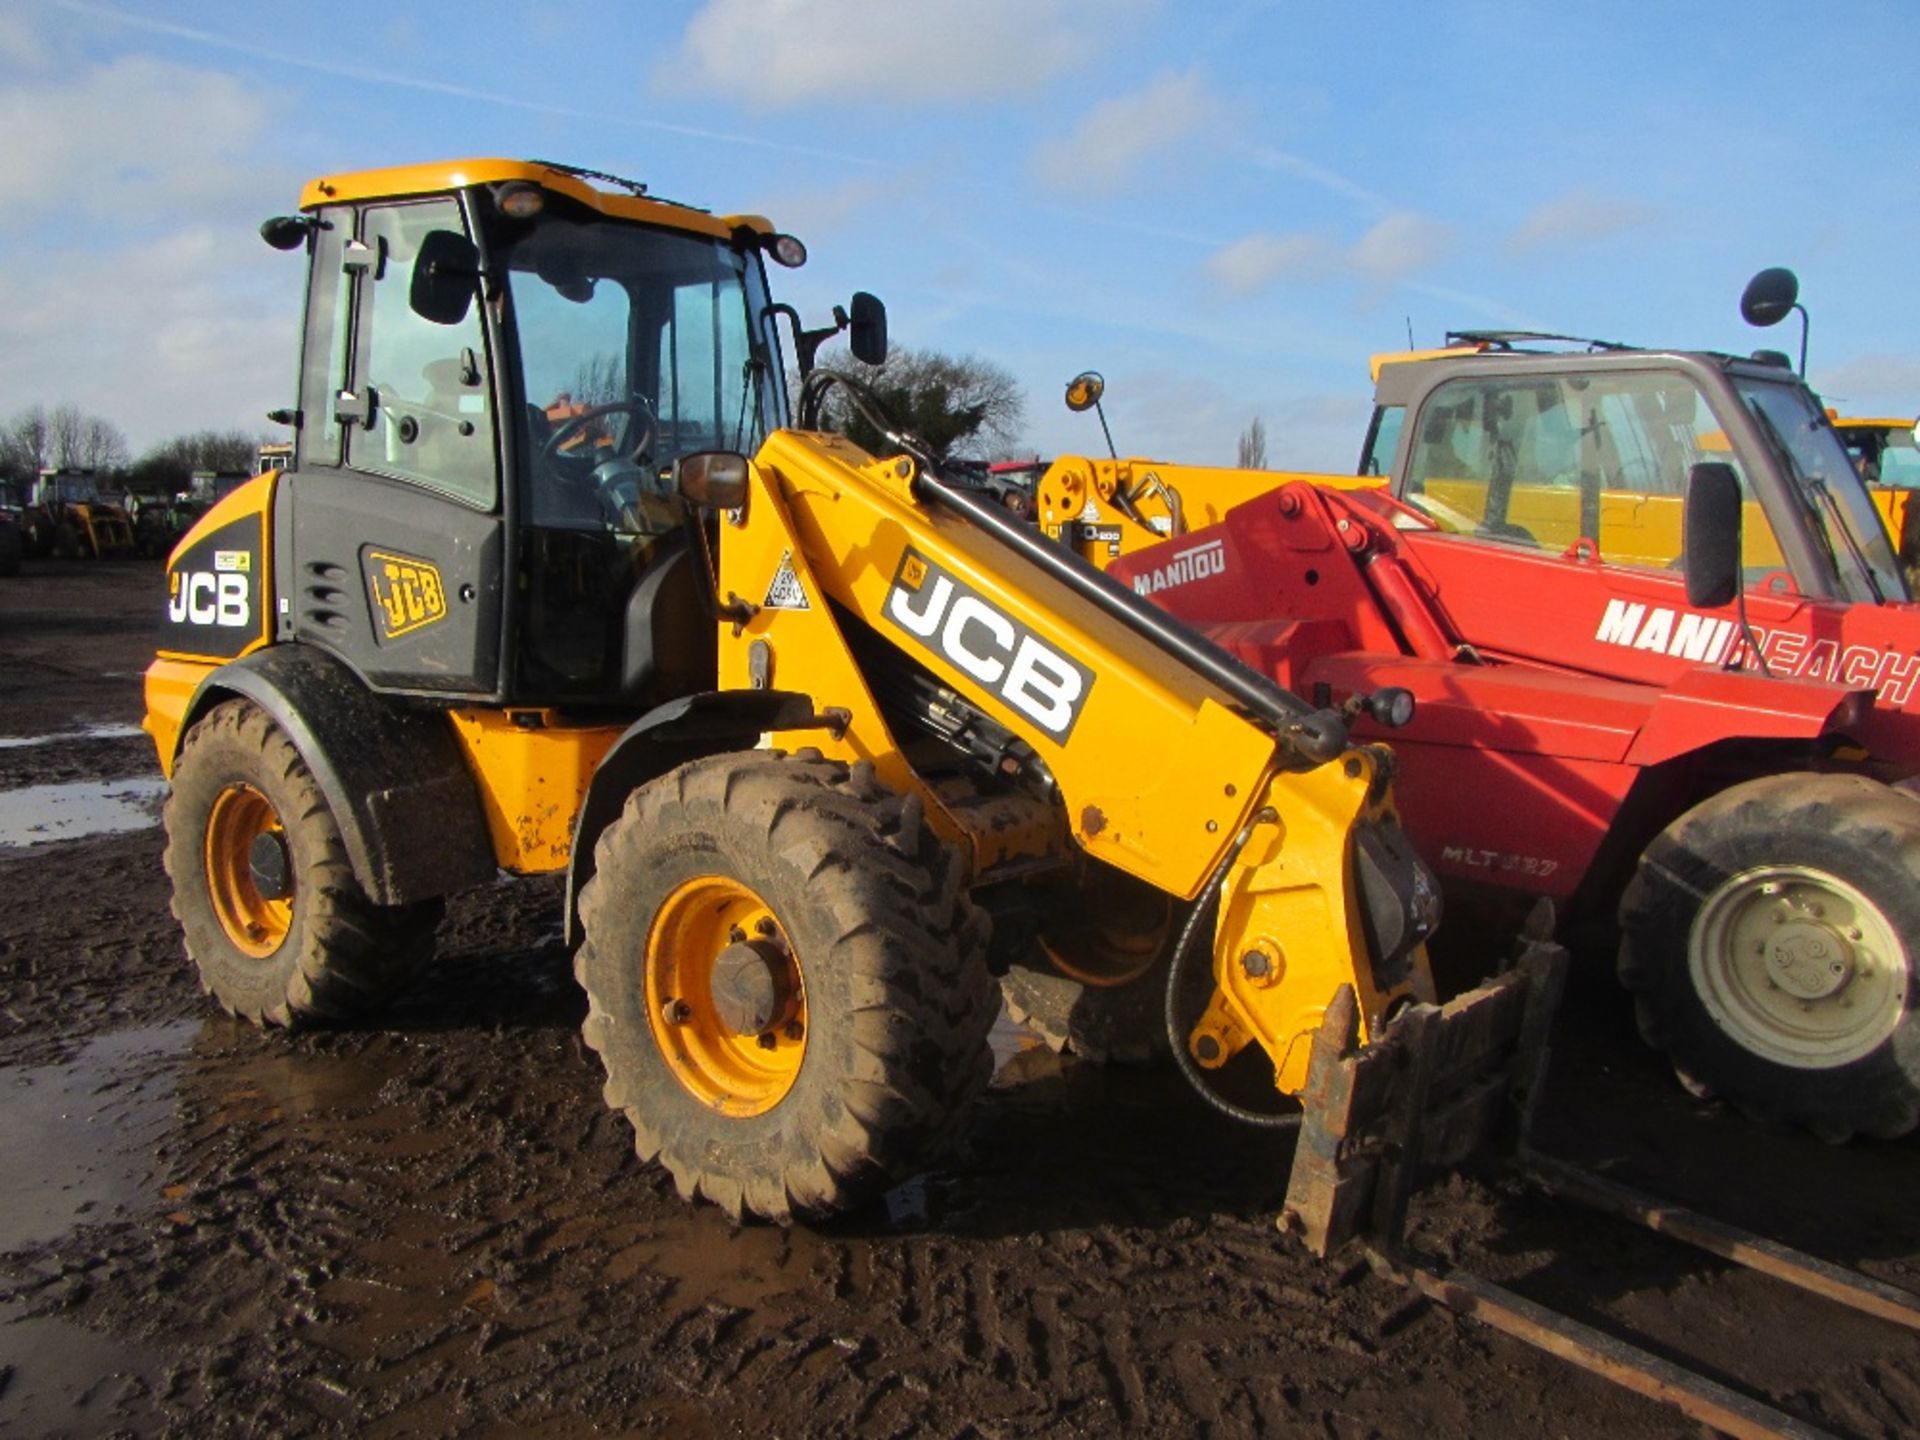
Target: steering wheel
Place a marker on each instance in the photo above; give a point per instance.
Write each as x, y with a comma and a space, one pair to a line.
646, 430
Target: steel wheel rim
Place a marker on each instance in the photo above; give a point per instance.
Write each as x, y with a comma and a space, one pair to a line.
1797, 966
733, 1073
256, 924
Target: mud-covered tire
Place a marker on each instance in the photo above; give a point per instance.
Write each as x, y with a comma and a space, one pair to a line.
325, 952
1770, 938
866, 907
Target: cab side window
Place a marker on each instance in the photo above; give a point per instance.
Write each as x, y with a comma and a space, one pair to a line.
428, 415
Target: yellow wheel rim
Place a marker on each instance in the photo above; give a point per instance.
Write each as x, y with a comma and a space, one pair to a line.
254, 923
724, 996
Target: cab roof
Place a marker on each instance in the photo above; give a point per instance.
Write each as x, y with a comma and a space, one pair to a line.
627, 202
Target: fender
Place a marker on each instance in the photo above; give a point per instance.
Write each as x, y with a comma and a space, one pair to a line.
403, 798
1691, 712
667, 736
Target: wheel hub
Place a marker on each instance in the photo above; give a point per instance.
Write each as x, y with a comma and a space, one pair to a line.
269, 866
1798, 966
752, 986
1809, 960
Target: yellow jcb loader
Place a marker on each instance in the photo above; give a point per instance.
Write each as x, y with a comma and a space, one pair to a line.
794, 724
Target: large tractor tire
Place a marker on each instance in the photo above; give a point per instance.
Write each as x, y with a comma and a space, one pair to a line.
1095, 982
273, 917
786, 982
1769, 937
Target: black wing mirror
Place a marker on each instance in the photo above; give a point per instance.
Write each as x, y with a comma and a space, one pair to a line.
1710, 535
444, 273
867, 328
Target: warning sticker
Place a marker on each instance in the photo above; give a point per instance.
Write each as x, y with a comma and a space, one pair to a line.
785, 591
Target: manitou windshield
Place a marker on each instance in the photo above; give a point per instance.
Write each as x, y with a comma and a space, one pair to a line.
636, 346
1853, 539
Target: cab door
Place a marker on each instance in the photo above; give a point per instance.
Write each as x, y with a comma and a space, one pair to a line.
393, 513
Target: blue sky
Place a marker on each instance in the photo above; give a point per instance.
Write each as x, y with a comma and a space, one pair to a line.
1224, 208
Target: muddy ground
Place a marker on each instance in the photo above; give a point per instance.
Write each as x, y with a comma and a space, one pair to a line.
432, 1226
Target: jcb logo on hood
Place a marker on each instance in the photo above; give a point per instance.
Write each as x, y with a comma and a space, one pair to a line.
954, 621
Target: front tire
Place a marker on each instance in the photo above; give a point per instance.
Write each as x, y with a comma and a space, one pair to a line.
1769, 937
786, 982
272, 915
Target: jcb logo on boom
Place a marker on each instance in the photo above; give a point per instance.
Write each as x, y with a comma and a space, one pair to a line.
407, 593
198, 597
967, 630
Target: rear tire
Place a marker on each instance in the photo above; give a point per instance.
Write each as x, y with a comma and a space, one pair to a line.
1769, 937
322, 951
858, 1058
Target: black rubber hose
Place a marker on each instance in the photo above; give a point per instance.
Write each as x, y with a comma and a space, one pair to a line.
1176, 1040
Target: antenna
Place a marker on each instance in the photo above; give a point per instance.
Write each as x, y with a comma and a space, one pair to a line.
1409, 332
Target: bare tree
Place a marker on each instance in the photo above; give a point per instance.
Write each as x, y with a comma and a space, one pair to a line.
103, 445
25, 443
1253, 446
961, 405
66, 436
599, 380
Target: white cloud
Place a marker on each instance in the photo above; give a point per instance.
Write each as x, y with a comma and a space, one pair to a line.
1399, 245
812, 213
1279, 161
1117, 135
1886, 385
1250, 265
1387, 253
188, 330
21, 45
767, 54
1580, 217
125, 140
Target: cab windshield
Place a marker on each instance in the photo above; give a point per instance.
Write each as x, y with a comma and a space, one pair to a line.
636, 346
1841, 513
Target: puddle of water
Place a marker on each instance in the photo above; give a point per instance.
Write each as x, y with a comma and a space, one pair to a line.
111, 731
90, 1127
1009, 1038
58, 1378
38, 814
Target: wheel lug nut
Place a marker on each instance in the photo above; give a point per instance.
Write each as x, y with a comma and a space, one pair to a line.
794, 1030
1854, 932
767, 1041
676, 1012
736, 935
766, 926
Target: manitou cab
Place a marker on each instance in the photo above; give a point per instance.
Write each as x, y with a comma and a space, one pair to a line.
1498, 438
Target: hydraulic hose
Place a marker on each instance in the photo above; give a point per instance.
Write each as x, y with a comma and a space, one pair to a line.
1176, 969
